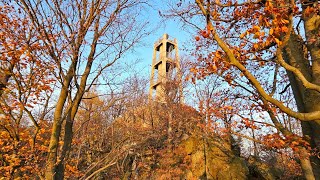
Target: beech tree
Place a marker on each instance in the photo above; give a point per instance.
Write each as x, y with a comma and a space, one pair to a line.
25, 83
253, 40
265, 50
83, 39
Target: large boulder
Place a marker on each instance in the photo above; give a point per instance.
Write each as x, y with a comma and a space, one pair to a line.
213, 159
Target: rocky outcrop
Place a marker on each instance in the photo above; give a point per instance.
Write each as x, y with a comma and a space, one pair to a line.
213, 159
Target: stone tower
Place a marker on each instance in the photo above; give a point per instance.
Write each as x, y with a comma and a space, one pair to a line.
165, 69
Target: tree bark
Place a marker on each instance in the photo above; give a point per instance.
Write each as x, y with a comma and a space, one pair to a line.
55, 137
306, 164
312, 29
295, 54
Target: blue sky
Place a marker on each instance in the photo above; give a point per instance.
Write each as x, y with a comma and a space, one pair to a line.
172, 27
127, 66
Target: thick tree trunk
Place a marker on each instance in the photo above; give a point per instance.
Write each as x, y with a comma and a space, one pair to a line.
68, 134
74, 106
312, 130
50, 173
306, 164
295, 53
51, 164
312, 29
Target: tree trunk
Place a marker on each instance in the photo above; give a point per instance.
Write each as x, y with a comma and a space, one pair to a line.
312, 130
312, 29
295, 54
51, 164
66, 147
52, 151
306, 165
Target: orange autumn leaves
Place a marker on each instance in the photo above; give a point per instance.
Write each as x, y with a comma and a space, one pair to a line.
253, 31
26, 82
28, 76
262, 26
22, 156
20, 48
